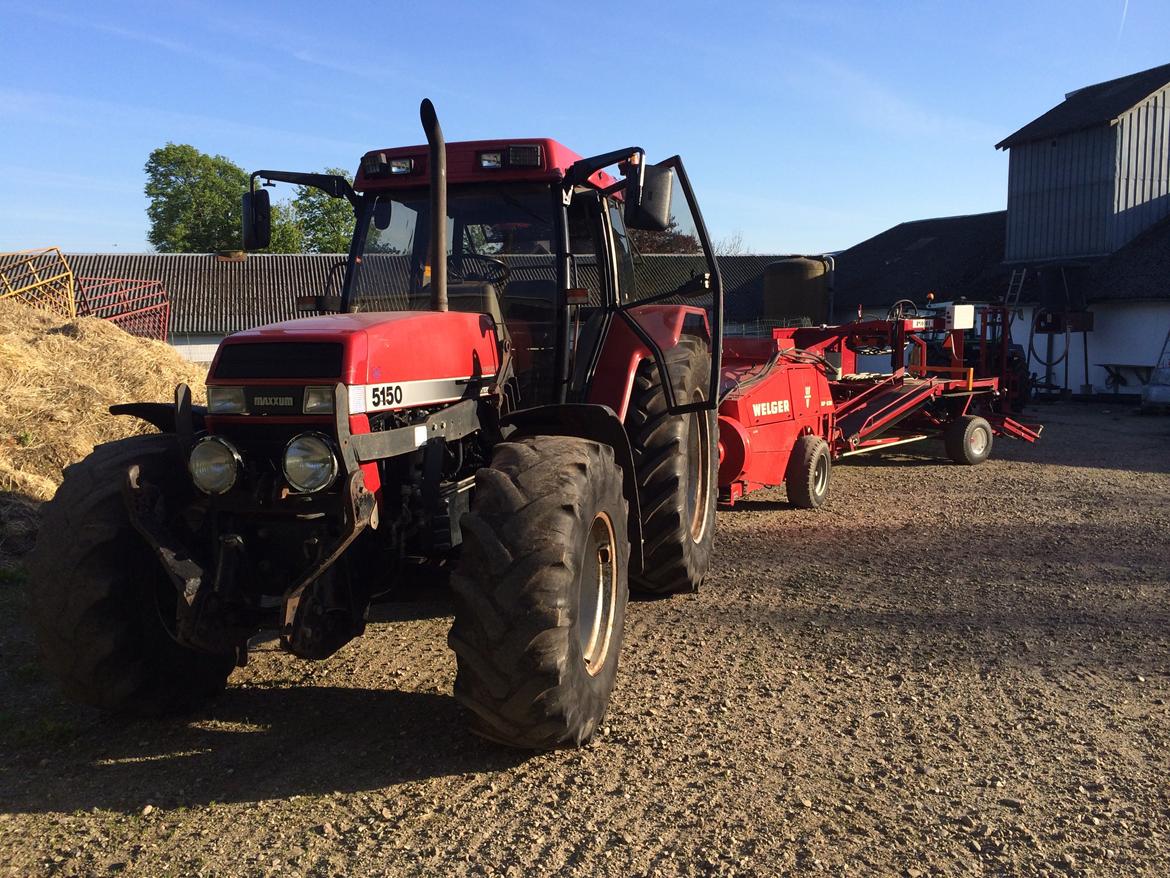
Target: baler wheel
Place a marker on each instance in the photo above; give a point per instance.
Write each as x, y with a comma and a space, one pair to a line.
540, 592
676, 462
100, 599
968, 440
809, 471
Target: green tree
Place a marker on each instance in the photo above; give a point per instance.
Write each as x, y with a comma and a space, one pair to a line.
327, 223
194, 200
287, 235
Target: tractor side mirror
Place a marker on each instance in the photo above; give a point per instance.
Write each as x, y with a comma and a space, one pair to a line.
257, 217
648, 205
383, 208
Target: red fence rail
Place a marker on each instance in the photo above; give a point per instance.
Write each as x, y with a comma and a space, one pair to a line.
140, 307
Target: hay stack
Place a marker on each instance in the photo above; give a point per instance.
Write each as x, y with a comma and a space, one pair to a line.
57, 378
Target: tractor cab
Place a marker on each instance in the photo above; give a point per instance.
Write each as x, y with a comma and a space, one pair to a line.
558, 253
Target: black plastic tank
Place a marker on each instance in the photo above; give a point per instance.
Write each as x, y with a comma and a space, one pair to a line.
798, 287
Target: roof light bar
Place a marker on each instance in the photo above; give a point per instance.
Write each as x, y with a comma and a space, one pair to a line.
518, 155
526, 155
378, 165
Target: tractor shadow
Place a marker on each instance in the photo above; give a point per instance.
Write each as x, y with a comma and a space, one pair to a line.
252, 744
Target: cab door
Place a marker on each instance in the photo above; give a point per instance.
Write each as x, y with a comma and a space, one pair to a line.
667, 282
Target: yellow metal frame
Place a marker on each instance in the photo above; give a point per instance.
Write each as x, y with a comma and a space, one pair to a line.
42, 278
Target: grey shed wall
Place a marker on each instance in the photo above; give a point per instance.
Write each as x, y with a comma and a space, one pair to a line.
1089, 192
1142, 193
1059, 194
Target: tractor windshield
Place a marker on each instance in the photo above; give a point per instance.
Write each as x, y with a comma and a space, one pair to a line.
501, 261
499, 240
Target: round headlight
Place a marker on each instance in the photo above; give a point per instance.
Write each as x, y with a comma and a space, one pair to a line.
309, 463
214, 465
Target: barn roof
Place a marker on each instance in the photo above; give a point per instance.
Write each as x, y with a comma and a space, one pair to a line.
214, 296
1093, 105
1139, 270
951, 256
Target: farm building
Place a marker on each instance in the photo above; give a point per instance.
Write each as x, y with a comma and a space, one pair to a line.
1088, 219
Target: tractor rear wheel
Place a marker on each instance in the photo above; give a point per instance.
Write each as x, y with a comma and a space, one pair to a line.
540, 592
101, 602
809, 470
676, 463
968, 440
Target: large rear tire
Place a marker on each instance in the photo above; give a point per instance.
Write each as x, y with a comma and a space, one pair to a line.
100, 600
676, 463
541, 592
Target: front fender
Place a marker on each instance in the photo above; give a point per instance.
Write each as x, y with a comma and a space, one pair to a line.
179, 417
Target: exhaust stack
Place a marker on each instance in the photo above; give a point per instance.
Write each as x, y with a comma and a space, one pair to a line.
438, 161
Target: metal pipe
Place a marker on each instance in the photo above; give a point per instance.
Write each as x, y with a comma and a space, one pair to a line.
438, 160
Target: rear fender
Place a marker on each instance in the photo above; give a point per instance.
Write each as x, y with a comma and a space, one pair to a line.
623, 351
598, 423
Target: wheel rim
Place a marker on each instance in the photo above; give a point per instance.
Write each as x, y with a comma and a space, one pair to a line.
821, 475
598, 598
977, 442
699, 454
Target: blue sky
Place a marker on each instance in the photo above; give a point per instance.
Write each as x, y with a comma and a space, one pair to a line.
805, 126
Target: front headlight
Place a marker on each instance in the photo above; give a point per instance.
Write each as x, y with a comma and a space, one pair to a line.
318, 401
309, 463
226, 401
214, 465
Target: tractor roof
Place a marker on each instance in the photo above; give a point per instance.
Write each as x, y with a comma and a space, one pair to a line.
521, 159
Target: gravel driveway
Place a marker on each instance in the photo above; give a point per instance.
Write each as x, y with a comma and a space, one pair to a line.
946, 671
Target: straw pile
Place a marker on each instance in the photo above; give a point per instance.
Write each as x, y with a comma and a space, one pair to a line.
57, 378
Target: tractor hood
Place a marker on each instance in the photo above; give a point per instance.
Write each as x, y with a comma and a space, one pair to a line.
361, 349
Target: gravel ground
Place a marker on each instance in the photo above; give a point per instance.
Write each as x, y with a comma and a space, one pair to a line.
947, 671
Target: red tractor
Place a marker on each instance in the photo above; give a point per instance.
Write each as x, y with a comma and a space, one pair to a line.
504, 385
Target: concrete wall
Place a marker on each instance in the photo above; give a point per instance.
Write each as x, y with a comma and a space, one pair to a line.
196, 348
1123, 332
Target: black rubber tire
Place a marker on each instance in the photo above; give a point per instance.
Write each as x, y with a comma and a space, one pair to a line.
98, 595
964, 444
518, 590
810, 469
678, 526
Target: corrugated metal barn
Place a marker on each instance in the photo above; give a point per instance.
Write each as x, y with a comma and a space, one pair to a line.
1088, 207
1092, 173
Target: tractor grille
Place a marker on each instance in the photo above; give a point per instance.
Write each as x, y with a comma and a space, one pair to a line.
279, 360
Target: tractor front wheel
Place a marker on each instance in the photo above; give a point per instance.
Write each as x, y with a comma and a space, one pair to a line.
968, 440
540, 592
101, 602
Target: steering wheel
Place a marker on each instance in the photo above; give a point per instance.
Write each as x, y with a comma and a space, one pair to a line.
901, 309
492, 270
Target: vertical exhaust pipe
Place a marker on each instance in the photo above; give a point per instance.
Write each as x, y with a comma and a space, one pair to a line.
438, 161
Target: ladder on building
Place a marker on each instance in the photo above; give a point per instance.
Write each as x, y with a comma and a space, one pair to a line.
1015, 287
